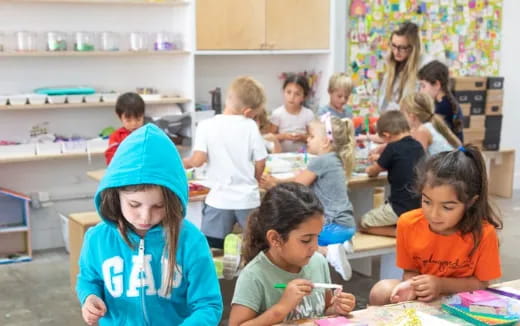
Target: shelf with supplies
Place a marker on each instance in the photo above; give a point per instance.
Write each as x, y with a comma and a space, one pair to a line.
106, 2
93, 53
34, 157
49, 106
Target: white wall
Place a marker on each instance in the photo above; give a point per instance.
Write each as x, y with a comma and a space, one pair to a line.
510, 69
219, 70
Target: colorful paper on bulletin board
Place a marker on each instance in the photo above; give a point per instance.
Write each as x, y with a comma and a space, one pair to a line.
465, 34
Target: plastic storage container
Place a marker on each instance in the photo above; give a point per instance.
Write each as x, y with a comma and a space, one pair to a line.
164, 41
37, 98
109, 41
3, 46
25, 41
57, 99
57, 41
84, 41
138, 41
18, 99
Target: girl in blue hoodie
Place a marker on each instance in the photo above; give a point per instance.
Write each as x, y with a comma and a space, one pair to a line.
145, 264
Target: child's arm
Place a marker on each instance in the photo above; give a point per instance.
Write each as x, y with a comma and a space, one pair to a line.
259, 170
204, 299
305, 177
429, 287
293, 294
195, 160
89, 284
374, 170
272, 138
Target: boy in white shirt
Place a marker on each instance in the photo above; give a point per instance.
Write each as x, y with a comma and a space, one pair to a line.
232, 146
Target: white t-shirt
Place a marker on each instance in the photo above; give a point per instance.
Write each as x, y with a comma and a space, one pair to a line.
232, 143
291, 123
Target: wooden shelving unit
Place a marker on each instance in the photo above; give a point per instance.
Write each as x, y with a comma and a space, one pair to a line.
93, 53
107, 2
29, 158
163, 101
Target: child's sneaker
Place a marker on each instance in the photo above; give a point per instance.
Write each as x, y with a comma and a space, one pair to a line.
337, 257
232, 246
348, 246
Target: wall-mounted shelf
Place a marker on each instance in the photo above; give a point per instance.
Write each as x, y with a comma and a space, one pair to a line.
107, 2
261, 52
30, 158
93, 53
169, 100
14, 229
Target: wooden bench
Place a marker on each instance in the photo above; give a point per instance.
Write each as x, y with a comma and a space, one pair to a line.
368, 246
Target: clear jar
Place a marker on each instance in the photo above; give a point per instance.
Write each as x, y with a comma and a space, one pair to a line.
3, 46
109, 41
138, 41
84, 41
56, 41
25, 41
178, 41
163, 42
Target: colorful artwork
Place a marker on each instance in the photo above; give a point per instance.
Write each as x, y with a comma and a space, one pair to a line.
463, 33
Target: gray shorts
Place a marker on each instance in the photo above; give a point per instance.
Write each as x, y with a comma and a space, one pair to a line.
381, 216
217, 223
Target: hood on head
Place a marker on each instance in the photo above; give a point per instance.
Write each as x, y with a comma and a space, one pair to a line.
146, 156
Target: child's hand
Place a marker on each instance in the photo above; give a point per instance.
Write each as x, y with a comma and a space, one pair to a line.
372, 157
294, 293
93, 308
404, 291
427, 287
270, 137
343, 303
267, 182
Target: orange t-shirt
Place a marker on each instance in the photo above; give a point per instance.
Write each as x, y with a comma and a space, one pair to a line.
426, 252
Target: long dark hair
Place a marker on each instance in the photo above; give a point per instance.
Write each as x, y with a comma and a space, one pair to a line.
110, 209
465, 170
438, 71
283, 208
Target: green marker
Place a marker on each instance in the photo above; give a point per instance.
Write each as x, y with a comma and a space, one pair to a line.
316, 285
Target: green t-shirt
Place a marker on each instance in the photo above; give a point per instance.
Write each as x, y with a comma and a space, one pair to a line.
255, 286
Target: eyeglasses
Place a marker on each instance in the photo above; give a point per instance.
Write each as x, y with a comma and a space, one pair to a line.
401, 48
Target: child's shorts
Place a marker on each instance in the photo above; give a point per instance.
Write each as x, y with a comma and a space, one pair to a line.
217, 223
381, 216
333, 233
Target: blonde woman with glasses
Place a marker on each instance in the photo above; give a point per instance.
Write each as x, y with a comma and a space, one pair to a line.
403, 62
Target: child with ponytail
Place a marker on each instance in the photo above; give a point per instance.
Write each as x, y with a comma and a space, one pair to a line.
280, 248
333, 141
427, 128
434, 80
450, 244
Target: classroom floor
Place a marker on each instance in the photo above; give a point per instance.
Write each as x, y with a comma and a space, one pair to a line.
38, 292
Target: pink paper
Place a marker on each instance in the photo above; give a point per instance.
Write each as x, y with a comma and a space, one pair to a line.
336, 321
471, 297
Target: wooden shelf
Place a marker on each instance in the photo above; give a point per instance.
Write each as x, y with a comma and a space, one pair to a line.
13, 229
107, 2
93, 53
163, 101
261, 52
30, 158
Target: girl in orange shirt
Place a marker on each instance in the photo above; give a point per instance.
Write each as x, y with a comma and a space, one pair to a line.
449, 245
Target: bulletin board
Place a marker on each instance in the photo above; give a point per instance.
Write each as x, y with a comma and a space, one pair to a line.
465, 34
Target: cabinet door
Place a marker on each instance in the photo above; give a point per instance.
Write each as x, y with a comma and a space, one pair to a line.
230, 24
297, 24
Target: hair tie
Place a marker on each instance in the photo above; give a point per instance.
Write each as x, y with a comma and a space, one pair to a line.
431, 116
462, 149
327, 120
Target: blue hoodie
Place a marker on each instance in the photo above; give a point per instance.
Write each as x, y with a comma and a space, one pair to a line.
110, 269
